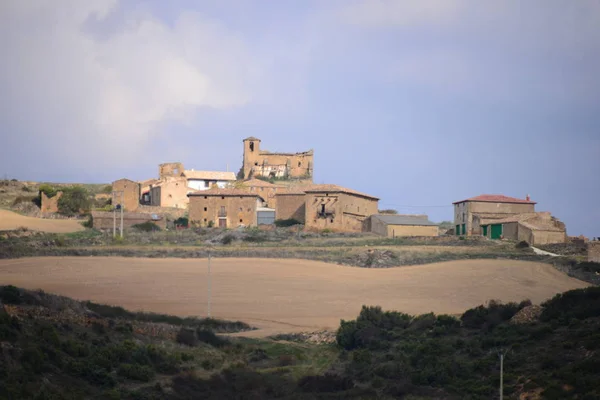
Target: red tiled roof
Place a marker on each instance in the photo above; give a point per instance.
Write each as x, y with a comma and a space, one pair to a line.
497, 198
259, 183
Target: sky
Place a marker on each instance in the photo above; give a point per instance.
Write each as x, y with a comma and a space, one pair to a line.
420, 103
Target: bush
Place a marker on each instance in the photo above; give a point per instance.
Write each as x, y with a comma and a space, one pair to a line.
578, 304
89, 223
227, 239
182, 221
282, 223
48, 190
487, 318
522, 245
73, 201
136, 372
147, 226
187, 337
10, 294
107, 189
209, 337
24, 199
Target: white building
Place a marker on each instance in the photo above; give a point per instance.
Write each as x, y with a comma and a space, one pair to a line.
204, 180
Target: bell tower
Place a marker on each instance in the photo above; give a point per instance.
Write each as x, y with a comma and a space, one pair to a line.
251, 155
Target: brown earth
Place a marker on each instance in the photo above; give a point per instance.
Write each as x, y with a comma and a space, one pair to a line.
11, 221
285, 295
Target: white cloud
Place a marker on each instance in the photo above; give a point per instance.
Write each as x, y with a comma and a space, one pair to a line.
81, 94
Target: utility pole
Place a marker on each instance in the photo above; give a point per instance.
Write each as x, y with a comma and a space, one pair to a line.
502, 353
209, 284
121, 195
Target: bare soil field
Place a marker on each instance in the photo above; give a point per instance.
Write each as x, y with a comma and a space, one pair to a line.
11, 221
285, 295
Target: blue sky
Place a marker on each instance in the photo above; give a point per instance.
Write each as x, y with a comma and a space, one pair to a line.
419, 103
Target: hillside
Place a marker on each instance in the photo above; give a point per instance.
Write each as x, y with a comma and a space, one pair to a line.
55, 347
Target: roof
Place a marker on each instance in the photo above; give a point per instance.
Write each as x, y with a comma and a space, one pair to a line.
148, 181
124, 179
209, 175
328, 188
394, 219
496, 198
538, 220
259, 183
252, 138
291, 192
224, 192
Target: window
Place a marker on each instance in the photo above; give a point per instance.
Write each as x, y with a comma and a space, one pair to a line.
205, 209
323, 208
205, 197
299, 163
222, 197
204, 219
251, 146
241, 209
241, 221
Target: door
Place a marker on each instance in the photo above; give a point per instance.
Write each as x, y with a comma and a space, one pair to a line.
496, 231
222, 222
485, 229
464, 229
457, 230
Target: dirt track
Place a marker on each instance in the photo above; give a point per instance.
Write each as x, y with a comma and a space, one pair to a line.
285, 295
10, 221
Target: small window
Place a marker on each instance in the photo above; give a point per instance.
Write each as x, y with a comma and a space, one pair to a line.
256, 163
251, 146
241, 209
241, 221
205, 197
205, 209
299, 163
222, 197
204, 219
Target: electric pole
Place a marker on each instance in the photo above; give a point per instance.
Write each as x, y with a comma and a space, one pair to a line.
121, 195
502, 353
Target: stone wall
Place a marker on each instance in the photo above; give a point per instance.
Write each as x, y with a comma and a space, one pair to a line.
290, 206
232, 211
49, 205
593, 251
412, 230
131, 194
170, 192
340, 212
173, 169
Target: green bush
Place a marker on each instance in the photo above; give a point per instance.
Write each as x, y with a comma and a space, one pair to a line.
578, 304
107, 189
74, 201
48, 190
147, 226
187, 336
227, 239
10, 294
182, 221
209, 337
282, 223
24, 199
522, 245
136, 372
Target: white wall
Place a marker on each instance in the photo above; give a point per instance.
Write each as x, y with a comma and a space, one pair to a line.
201, 185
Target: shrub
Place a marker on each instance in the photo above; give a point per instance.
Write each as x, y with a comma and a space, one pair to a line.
282, 223
227, 239
486, 318
388, 211
182, 221
24, 199
578, 304
187, 336
147, 226
10, 294
522, 245
74, 200
136, 372
89, 223
107, 189
209, 337
48, 190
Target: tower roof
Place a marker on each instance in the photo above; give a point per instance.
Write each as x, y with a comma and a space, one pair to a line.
252, 138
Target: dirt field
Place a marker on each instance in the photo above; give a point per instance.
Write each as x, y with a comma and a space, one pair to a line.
285, 295
10, 221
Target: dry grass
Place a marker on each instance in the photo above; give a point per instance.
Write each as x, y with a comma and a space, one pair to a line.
285, 295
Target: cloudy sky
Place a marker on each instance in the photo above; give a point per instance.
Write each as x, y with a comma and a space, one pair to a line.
418, 102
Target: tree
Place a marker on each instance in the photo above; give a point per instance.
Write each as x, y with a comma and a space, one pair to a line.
388, 211
74, 201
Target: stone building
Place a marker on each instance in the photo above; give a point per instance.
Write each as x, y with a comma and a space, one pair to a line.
204, 180
170, 192
173, 169
395, 225
224, 208
264, 189
337, 208
291, 204
469, 212
534, 228
49, 205
259, 162
131, 193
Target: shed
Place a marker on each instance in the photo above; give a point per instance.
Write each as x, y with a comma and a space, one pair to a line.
394, 225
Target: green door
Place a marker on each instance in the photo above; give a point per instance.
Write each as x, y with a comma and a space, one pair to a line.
496, 231
457, 230
463, 229
484, 230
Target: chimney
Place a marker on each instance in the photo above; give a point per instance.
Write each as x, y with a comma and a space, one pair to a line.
527, 198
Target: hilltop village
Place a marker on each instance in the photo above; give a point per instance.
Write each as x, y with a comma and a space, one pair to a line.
275, 186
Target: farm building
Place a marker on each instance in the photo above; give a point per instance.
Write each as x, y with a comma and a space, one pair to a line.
468, 213
170, 192
534, 228
225, 208
337, 208
131, 192
394, 225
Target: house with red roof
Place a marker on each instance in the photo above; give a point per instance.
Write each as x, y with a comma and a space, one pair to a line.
468, 213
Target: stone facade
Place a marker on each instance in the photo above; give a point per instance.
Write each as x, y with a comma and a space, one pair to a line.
469, 212
104, 220
167, 170
337, 208
397, 225
593, 251
131, 194
49, 205
170, 192
259, 162
265, 190
225, 208
291, 205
